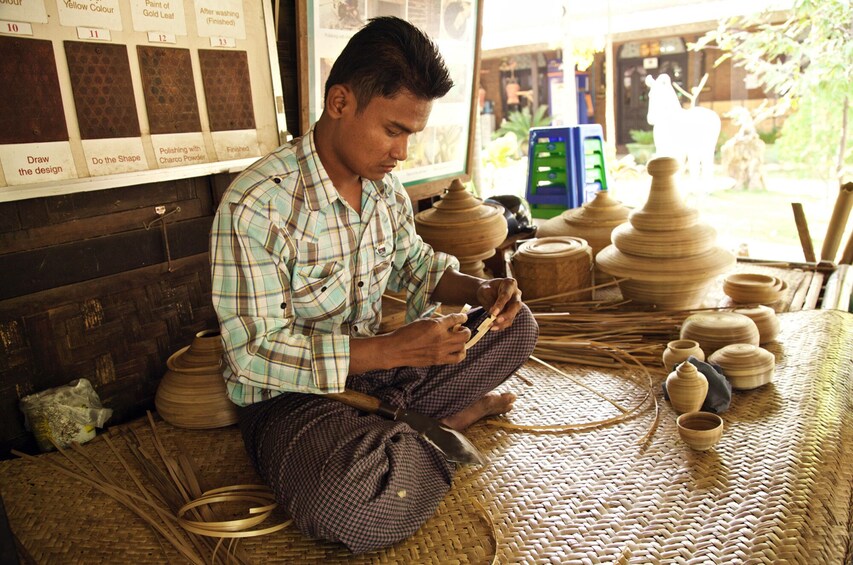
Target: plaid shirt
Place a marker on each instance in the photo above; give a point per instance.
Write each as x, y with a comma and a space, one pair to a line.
297, 273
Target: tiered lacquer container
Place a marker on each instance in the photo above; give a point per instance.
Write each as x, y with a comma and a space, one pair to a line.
669, 257
592, 222
463, 226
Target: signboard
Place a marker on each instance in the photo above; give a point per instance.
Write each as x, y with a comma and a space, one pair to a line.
104, 93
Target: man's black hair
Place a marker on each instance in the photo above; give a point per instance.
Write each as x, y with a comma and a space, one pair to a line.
386, 56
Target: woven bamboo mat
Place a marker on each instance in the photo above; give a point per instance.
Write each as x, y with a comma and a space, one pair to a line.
776, 489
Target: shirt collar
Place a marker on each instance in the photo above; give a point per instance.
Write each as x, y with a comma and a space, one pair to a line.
319, 190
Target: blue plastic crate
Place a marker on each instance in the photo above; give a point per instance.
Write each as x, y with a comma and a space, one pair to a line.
566, 167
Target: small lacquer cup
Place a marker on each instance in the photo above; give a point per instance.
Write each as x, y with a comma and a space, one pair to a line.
700, 430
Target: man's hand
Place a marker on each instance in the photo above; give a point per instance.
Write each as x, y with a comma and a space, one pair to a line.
432, 341
502, 299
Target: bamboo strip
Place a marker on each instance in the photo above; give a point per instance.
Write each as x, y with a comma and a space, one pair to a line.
153, 506
813, 294
620, 356
145, 492
846, 289
799, 297
574, 292
122, 498
394, 298
493, 530
579, 383
836, 294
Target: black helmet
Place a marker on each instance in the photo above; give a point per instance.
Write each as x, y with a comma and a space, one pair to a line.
516, 212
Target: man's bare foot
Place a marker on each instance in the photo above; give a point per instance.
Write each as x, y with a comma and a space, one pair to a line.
489, 405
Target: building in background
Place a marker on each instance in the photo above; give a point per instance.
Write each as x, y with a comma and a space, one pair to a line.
634, 38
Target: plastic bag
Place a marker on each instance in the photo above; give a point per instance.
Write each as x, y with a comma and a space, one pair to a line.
65, 414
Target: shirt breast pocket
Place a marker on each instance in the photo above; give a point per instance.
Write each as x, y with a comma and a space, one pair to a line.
318, 292
379, 277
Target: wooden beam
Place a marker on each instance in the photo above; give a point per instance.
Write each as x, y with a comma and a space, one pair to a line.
803, 231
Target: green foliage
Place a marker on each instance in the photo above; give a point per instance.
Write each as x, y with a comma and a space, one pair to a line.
804, 61
770, 136
819, 120
645, 137
501, 151
519, 124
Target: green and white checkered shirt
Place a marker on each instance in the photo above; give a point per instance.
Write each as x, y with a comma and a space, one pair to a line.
296, 273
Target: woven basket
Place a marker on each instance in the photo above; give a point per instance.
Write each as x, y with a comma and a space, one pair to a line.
548, 266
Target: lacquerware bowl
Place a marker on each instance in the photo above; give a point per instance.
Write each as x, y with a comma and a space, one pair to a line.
700, 430
714, 330
746, 366
765, 320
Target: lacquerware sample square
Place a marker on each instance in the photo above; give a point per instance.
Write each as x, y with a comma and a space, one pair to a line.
103, 90
167, 81
227, 89
31, 111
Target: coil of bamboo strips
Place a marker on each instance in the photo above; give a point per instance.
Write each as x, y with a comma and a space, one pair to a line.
192, 393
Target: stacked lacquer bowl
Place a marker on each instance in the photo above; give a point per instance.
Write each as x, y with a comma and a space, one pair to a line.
754, 288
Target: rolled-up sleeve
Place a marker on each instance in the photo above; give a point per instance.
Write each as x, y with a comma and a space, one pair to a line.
250, 268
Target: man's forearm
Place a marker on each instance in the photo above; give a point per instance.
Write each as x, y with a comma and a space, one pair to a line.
456, 288
370, 353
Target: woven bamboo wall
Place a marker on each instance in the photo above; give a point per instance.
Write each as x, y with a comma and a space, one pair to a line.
87, 292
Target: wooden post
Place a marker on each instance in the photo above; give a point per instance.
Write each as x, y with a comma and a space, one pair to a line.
803, 231
837, 222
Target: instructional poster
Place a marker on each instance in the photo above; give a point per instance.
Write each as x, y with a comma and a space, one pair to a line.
441, 150
98, 88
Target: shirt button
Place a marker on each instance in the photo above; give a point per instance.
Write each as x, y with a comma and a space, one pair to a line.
360, 284
276, 180
355, 329
283, 305
323, 289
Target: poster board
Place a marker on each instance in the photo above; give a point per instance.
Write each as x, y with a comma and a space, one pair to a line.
445, 149
105, 93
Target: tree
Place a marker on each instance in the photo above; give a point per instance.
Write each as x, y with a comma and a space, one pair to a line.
806, 60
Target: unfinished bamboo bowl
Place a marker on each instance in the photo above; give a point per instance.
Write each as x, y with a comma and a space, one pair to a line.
463, 226
192, 393
669, 257
592, 222
765, 320
549, 266
746, 366
700, 430
680, 350
714, 330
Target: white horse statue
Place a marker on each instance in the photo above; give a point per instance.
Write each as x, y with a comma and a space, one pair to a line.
679, 132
